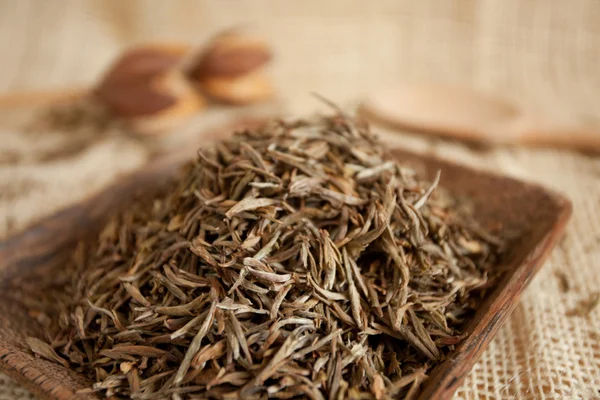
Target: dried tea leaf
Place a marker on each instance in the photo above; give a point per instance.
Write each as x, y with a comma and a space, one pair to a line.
44, 350
585, 306
563, 281
249, 204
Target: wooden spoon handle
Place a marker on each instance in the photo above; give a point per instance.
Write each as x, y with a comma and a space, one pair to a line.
41, 97
547, 132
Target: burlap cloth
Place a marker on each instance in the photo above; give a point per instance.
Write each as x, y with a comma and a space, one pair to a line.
544, 52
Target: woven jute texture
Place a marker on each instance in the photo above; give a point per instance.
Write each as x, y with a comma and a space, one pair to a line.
539, 52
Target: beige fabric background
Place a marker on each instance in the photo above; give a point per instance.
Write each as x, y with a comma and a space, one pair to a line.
542, 52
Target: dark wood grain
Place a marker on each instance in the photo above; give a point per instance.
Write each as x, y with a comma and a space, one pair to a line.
532, 219
529, 217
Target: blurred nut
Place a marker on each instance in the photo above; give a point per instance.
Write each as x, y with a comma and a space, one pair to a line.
231, 54
249, 88
188, 103
231, 69
147, 87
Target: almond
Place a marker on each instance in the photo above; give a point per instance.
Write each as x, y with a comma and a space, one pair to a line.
188, 102
147, 87
231, 69
231, 54
249, 88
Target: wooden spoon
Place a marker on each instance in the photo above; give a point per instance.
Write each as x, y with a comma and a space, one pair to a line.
42, 98
466, 114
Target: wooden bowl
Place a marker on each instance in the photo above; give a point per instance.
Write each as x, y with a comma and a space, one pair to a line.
529, 217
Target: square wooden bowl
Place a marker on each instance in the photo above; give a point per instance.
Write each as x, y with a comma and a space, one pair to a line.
530, 218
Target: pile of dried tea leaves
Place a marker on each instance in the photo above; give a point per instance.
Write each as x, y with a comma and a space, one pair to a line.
297, 260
